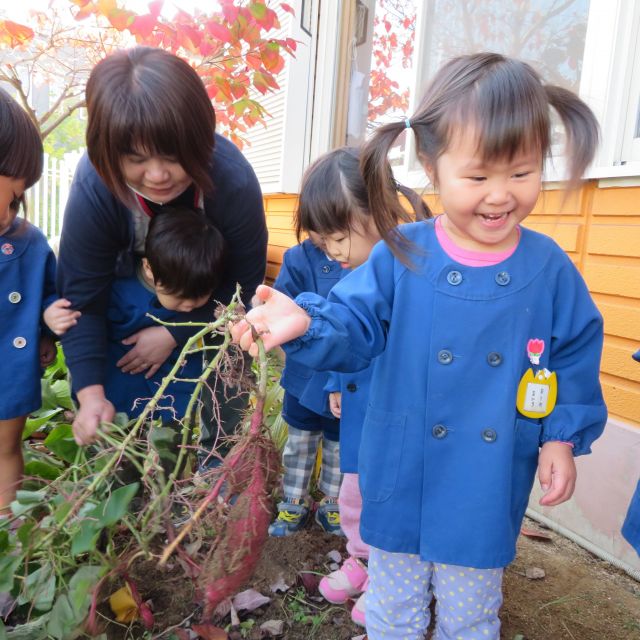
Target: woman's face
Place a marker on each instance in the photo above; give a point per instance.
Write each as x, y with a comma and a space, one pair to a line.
158, 178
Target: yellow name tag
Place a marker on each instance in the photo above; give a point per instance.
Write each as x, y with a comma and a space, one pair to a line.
537, 393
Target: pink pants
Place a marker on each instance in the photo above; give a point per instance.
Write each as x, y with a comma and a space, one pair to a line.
350, 505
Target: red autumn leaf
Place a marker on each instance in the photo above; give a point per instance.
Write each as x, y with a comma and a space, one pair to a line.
218, 32
143, 26
209, 632
14, 34
288, 8
155, 7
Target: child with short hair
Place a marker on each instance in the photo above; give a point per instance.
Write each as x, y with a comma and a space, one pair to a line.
27, 279
184, 253
485, 346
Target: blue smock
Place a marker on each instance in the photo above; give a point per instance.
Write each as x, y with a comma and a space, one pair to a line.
27, 288
446, 460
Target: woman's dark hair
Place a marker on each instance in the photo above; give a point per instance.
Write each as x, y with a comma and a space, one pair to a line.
185, 251
20, 144
333, 194
503, 102
148, 100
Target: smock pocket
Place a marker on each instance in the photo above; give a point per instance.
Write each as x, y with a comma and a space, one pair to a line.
381, 451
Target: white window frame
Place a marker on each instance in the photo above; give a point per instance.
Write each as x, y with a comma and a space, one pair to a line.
609, 84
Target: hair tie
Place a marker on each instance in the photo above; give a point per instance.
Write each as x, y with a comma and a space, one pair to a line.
407, 123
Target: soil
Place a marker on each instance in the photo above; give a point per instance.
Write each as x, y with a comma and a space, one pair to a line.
580, 596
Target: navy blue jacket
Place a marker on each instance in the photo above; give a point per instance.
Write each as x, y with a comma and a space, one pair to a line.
97, 245
27, 287
307, 268
446, 460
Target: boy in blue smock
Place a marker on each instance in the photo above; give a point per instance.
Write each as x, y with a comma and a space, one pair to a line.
182, 251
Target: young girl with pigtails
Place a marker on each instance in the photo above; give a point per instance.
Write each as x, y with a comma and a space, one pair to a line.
27, 286
485, 346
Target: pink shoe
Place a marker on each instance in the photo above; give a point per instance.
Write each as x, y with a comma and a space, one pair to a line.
344, 583
357, 613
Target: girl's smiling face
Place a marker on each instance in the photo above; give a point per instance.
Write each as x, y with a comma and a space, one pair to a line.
11, 192
484, 201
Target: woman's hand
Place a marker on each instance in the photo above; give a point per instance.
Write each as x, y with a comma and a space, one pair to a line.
556, 472
94, 409
59, 317
277, 320
153, 346
335, 403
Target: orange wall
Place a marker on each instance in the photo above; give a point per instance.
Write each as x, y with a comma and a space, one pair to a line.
600, 230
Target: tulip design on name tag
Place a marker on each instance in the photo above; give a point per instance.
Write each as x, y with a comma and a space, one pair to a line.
537, 391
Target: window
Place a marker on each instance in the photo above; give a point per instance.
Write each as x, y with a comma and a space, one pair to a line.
588, 46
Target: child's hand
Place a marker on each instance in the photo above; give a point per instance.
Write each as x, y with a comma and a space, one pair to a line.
277, 320
335, 403
47, 351
59, 317
556, 472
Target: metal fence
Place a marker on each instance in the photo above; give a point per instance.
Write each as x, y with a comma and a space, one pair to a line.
46, 200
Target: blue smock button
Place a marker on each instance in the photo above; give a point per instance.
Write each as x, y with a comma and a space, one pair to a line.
445, 356
352, 386
454, 278
489, 435
503, 278
439, 431
494, 359
326, 268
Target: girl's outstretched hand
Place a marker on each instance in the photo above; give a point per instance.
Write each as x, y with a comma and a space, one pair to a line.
278, 319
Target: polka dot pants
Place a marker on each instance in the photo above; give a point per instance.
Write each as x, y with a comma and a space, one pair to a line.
399, 593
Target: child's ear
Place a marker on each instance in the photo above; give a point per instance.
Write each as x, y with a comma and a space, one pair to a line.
146, 269
429, 168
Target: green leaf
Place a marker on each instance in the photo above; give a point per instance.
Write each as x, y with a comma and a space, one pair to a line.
3, 631
8, 567
60, 441
30, 497
39, 419
116, 505
85, 538
81, 585
41, 469
24, 531
39, 588
62, 392
62, 619
61, 511
4, 541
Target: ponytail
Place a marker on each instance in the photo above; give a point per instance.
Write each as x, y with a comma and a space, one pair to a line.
384, 205
420, 209
581, 129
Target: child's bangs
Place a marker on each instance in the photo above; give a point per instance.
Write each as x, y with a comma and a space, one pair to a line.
23, 160
508, 113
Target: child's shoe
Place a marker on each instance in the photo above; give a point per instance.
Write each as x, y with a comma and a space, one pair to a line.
293, 514
344, 583
328, 516
357, 613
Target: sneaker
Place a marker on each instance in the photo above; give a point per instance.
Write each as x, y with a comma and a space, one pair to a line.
344, 583
358, 611
328, 516
293, 514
